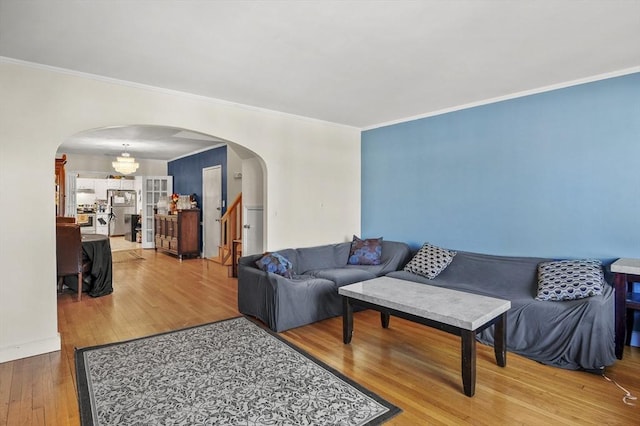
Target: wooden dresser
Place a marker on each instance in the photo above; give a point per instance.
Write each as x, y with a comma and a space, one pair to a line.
179, 233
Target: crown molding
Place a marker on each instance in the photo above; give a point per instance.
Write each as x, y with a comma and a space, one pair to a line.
516, 95
221, 102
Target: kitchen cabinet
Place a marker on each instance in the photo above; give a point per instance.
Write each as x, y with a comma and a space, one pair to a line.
85, 192
102, 185
126, 184
179, 233
113, 184
101, 189
85, 184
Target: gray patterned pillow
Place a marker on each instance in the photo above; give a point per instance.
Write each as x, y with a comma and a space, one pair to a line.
569, 279
429, 261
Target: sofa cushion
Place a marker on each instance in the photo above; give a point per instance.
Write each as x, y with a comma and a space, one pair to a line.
394, 256
365, 252
569, 279
276, 263
343, 276
429, 261
322, 257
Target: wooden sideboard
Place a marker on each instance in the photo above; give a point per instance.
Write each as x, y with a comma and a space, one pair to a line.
179, 233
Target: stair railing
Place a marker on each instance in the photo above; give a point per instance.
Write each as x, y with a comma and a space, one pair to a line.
230, 229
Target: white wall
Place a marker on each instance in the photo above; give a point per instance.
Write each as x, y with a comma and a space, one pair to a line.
312, 181
252, 182
234, 165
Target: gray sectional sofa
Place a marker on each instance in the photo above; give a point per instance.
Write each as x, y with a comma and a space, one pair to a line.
311, 294
572, 334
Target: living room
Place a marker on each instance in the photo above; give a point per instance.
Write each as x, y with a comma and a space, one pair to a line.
429, 179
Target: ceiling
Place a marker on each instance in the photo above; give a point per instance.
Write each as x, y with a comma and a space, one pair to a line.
143, 142
357, 63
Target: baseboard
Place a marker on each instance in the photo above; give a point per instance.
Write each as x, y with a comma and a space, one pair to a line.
24, 350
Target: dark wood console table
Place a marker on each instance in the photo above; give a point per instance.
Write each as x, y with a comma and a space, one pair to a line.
626, 272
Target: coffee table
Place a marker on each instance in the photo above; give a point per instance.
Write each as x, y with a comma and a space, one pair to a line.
456, 312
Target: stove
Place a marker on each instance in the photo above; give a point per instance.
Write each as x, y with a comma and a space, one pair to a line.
87, 222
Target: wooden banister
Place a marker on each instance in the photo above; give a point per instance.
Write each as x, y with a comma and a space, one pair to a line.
230, 230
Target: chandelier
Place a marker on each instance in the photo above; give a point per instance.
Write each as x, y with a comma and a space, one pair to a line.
125, 164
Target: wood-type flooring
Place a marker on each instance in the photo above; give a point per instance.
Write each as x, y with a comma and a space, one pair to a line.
414, 367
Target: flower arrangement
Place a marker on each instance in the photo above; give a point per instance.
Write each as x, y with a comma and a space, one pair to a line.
174, 202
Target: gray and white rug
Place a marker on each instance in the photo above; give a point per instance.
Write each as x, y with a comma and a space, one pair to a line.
231, 372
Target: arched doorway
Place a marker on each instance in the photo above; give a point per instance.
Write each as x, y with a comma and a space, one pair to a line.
157, 149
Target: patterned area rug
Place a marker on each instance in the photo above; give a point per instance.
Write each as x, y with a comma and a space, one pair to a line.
126, 256
231, 372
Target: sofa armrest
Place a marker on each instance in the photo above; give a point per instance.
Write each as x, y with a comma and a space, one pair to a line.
249, 260
252, 280
258, 291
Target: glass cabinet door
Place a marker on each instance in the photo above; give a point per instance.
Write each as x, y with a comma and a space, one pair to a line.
153, 188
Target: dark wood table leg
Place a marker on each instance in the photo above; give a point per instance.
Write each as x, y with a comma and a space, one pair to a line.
384, 319
500, 340
629, 327
469, 362
620, 284
347, 320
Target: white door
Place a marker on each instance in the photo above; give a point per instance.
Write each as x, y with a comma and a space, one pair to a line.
152, 189
211, 210
252, 237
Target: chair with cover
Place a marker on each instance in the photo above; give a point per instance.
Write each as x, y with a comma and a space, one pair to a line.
69, 259
65, 219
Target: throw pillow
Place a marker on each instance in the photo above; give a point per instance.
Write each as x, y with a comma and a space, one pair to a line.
430, 261
276, 263
569, 279
365, 252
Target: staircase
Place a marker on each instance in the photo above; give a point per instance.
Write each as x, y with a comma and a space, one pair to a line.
230, 248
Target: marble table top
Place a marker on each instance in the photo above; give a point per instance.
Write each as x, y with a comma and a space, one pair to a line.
456, 308
626, 266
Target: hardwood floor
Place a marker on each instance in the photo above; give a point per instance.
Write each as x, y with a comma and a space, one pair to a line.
412, 366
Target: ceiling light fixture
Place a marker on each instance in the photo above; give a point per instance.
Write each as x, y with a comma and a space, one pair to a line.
125, 164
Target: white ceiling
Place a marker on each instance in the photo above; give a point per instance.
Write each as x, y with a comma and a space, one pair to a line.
358, 63
143, 141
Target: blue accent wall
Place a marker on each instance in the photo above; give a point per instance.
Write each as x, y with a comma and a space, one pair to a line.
555, 174
187, 174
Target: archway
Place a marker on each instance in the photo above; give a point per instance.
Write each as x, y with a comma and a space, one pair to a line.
90, 153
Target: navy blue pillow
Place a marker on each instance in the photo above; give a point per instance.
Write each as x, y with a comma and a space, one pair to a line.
365, 252
276, 263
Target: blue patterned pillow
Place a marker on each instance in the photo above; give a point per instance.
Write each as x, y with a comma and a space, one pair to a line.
569, 279
365, 252
276, 263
